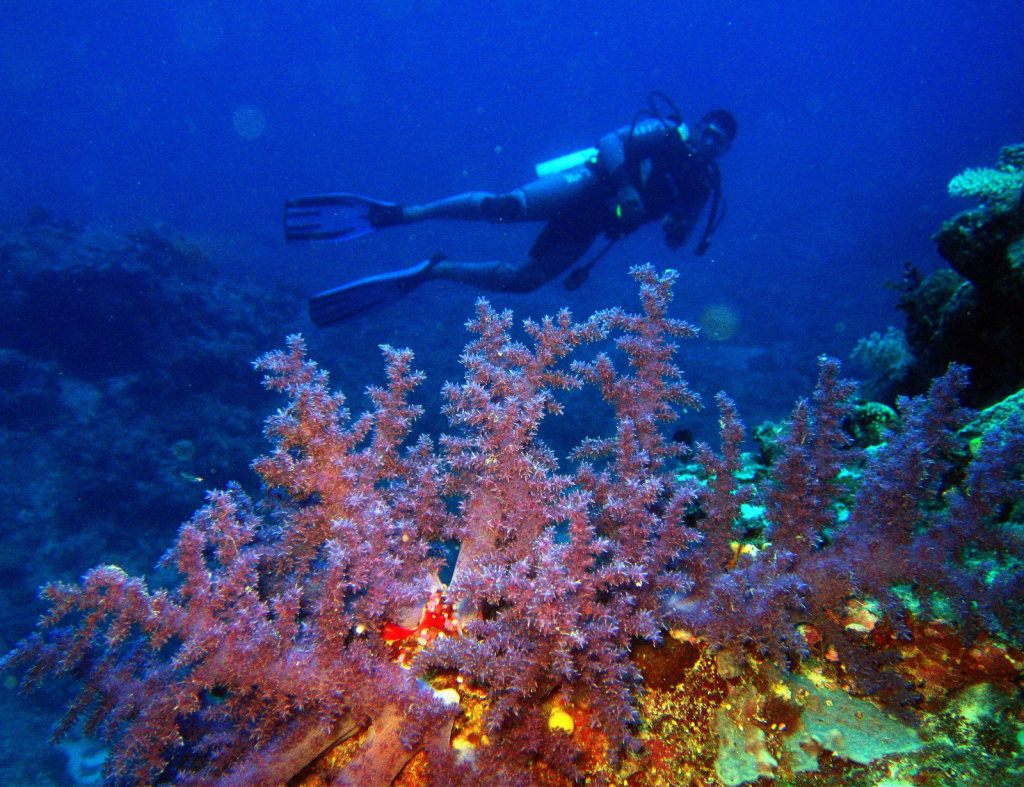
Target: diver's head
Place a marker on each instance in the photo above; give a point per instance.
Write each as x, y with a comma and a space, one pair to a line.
715, 133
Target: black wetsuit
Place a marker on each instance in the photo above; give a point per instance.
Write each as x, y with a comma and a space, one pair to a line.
640, 174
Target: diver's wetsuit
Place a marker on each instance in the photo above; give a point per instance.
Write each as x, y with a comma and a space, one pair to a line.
641, 173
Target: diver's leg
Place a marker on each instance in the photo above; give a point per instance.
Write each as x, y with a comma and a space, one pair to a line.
524, 276
557, 248
546, 197
494, 275
537, 201
471, 206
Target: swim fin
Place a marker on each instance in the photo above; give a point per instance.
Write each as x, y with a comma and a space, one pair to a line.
336, 217
374, 292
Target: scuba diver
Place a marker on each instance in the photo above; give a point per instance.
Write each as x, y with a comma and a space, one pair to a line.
653, 169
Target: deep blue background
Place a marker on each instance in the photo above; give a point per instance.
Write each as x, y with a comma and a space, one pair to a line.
853, 117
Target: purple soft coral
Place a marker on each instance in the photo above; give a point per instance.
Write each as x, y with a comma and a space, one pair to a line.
911, 522
274, 645
281, 637
267, 637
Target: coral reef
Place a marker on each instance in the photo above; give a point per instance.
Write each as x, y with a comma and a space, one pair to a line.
620, 617
887, 358
972, 312
1004, 184
125, 391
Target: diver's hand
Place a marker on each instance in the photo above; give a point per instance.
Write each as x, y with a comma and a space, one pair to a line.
676, 231
629, 209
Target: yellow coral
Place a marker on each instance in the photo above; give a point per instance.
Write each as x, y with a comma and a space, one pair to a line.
560, 720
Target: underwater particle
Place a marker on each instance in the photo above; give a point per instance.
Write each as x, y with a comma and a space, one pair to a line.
718, 323
249, 122
560, 720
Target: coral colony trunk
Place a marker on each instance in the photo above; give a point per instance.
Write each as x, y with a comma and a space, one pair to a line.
318, 616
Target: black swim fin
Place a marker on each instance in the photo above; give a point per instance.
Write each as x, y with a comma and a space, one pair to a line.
336, 217
374, 292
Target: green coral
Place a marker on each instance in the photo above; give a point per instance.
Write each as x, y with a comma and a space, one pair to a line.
992, 421
1004, 184
986, 183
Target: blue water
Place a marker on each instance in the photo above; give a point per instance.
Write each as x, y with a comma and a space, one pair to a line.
853, 116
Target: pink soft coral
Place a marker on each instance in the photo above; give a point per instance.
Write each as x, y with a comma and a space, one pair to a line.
271, 647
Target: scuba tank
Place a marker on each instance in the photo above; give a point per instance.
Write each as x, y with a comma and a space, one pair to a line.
568, 161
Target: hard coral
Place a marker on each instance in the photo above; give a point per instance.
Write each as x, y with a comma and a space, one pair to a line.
970, 313
1002, 185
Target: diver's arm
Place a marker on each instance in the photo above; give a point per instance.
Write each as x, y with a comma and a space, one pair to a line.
619, 156
685, 214
679, 223
623, 198
611, 153
631, 144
